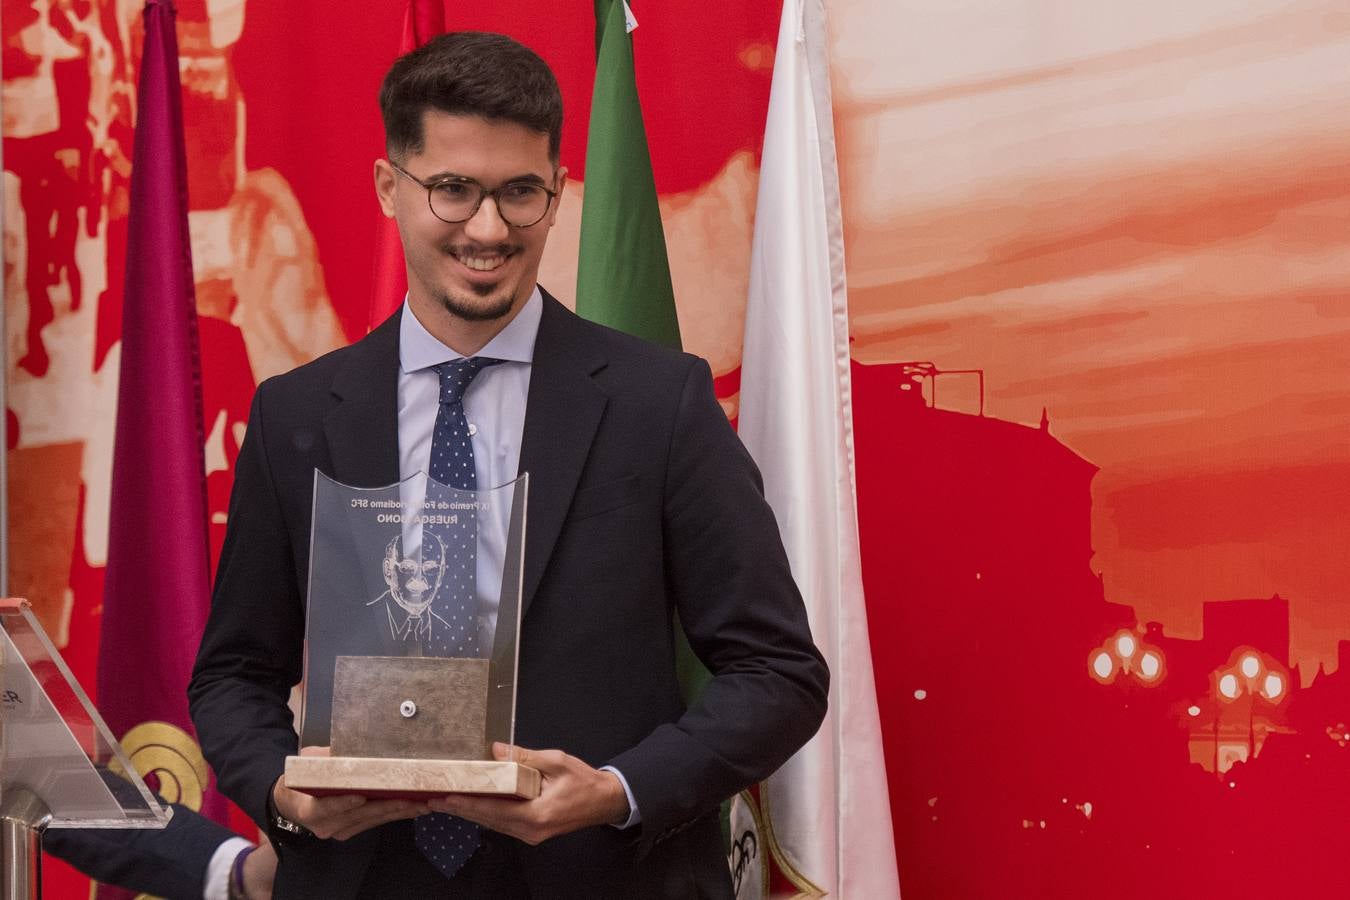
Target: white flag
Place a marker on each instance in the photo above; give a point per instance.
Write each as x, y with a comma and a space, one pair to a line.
827, 811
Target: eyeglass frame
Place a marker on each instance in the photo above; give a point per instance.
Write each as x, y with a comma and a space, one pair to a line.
486, 193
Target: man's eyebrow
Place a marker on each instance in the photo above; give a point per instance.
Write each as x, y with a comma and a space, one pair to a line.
446, 176
528, 177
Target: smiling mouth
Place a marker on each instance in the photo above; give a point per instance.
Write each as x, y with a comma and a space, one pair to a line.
481, 262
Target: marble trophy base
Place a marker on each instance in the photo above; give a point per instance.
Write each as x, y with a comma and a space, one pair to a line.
410, 779
409, 727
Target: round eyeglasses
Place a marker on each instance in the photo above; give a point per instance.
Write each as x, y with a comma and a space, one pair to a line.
456, 198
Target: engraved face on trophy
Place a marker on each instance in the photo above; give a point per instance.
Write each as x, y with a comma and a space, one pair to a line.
414, 583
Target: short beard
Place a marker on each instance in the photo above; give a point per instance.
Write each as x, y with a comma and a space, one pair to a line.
488, 308
460, 308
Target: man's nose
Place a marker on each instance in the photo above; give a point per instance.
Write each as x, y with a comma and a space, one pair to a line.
487, 225
417, 583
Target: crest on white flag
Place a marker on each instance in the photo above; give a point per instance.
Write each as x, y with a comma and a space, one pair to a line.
748, 858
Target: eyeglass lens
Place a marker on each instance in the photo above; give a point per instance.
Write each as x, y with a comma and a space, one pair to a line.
520, 203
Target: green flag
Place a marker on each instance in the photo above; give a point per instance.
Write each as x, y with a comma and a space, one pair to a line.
623, 276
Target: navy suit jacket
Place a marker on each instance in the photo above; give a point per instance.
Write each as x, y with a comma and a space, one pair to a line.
643, 504
170, 862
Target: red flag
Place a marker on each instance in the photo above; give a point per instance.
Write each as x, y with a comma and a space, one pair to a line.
157, 585
422, 20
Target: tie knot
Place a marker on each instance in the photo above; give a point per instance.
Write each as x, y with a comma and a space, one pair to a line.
457, 374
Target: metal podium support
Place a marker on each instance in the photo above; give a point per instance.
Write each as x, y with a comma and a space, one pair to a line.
22, 819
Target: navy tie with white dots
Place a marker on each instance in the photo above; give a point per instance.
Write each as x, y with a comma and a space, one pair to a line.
449, 841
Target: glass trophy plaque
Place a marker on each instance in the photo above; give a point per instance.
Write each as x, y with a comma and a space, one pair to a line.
411, 637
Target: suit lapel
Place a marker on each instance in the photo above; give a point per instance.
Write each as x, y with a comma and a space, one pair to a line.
362, 430
561, 415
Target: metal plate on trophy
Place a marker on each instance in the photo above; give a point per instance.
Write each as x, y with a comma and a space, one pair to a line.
414, 707
411, 637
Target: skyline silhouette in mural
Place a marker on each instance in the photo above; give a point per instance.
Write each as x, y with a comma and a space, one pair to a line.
1025, 714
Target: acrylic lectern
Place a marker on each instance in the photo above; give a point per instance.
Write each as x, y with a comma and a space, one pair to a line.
60, 767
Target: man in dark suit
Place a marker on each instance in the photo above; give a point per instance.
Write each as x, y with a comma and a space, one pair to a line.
642, 505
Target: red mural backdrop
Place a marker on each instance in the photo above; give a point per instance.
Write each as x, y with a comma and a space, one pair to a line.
1106, 569
1099, 305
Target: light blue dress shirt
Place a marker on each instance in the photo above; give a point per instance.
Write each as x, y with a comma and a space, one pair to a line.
494, 407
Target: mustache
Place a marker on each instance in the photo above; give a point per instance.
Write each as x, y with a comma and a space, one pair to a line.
478, 249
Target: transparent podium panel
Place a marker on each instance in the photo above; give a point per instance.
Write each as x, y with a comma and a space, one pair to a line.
59, 764
413, 619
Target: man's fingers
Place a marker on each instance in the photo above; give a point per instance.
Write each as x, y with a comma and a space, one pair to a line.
343, 816
521, 819
306, 809
328, 807
543, 760
510, 753
486, 812
361, 820
344, 824
315, 812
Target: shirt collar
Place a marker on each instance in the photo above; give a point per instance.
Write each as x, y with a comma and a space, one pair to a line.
418, 349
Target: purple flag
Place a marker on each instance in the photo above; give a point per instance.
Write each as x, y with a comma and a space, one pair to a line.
157, 586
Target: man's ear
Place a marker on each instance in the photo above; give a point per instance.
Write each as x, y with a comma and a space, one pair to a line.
385, 178
557, 201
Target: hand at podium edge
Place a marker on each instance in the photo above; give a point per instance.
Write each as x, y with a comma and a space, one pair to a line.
572, 796
339, 817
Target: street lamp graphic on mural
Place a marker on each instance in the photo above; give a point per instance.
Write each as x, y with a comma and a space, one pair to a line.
1125, 654
1252, 675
